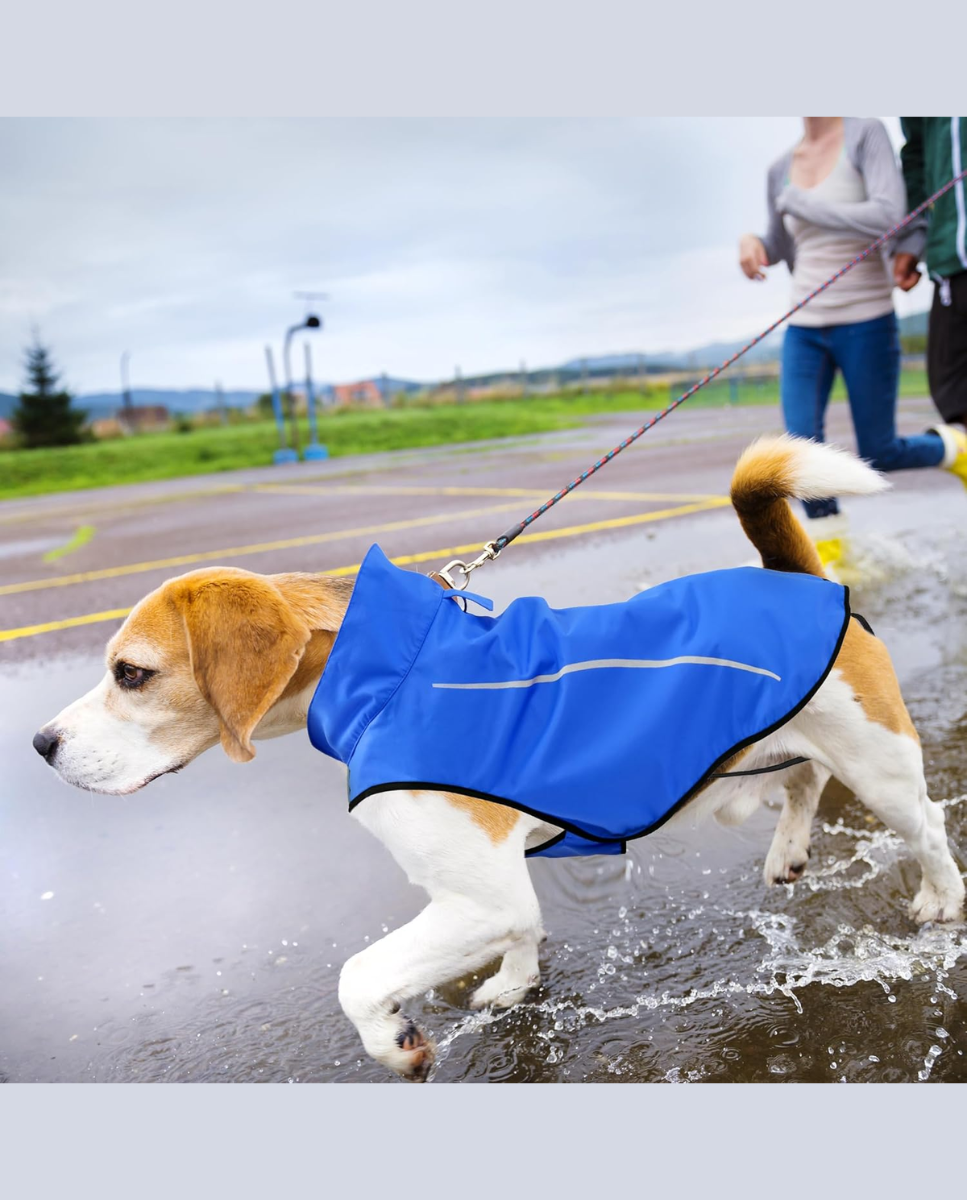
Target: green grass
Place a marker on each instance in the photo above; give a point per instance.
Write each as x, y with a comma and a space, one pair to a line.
174, 455
345, 432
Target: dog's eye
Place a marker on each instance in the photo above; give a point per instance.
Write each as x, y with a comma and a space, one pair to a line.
129, 676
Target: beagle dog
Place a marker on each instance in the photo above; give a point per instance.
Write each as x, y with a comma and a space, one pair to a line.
225, 655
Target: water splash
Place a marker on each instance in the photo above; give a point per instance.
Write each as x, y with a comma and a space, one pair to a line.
932, 1055
847, 957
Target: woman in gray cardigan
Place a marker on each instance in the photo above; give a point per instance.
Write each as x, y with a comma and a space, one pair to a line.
836, 191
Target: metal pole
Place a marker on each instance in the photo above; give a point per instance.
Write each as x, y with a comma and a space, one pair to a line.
310, 396
283, 454
314, 450
125, 382
290, 406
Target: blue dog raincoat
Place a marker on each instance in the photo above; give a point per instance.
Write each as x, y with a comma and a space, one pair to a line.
601, 720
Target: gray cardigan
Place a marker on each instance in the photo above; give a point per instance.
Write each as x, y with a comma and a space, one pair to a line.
870, 151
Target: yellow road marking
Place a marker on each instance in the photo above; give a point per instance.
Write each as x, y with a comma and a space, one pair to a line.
301, 489
82, 536
85, 503
184, 560
25, 631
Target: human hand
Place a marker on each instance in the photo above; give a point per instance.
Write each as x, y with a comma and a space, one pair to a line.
905, 273
752, 256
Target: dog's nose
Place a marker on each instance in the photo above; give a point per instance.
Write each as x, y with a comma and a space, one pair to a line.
46, 744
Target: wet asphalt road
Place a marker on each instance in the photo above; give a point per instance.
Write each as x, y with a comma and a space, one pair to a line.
195, 931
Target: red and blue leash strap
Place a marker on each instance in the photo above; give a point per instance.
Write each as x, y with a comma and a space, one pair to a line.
515, 530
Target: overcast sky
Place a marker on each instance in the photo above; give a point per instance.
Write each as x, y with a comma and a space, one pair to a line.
480, 243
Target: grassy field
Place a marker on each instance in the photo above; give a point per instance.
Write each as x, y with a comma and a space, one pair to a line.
345, 432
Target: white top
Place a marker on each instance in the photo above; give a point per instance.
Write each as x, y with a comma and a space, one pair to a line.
862, 294
869, 176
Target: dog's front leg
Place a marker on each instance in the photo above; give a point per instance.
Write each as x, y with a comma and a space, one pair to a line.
482, 906
450, 937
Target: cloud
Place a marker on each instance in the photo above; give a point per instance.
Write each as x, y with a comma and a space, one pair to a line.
477, 243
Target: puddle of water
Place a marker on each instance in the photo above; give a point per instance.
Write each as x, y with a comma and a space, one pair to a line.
196, 931
29, 547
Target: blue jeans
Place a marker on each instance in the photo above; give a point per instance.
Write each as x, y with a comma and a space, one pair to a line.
868, 354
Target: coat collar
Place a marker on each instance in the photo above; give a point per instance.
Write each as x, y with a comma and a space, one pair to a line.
389, 615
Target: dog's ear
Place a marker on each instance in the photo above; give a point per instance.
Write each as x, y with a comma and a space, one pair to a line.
244, 642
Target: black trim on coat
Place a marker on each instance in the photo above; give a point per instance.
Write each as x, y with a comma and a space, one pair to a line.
558, 837
790, 762
413, 785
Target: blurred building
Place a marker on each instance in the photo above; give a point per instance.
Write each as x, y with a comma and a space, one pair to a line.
143, 418
367, 392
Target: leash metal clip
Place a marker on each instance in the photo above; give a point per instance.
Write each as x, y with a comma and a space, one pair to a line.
490, 552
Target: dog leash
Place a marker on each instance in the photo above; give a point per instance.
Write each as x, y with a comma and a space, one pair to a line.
491, 550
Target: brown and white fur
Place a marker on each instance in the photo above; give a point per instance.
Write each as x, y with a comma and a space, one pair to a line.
224, 655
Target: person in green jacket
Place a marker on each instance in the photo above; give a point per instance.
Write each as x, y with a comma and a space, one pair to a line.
936, 151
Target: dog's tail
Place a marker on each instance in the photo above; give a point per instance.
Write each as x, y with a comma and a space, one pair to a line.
775, 469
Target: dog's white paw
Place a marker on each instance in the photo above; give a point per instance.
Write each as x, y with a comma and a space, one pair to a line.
501, 992
413, 1054
931, 905
786, 860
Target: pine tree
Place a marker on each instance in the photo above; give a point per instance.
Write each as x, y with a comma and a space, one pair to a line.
45, 416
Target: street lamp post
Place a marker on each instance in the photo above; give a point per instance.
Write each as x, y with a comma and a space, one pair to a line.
313, 450
125, 382
283, 454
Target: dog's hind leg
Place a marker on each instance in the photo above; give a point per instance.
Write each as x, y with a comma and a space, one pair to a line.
941, 895
883, 766
789, 852
482, 906
519, 973
903, 805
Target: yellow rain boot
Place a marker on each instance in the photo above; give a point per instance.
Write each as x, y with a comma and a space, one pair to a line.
955, 450
831, 538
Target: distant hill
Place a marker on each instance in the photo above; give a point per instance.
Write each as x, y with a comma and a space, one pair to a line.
188, 400
673, 360
105, 404
768, 350
914, 325
195, 400
392, 384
